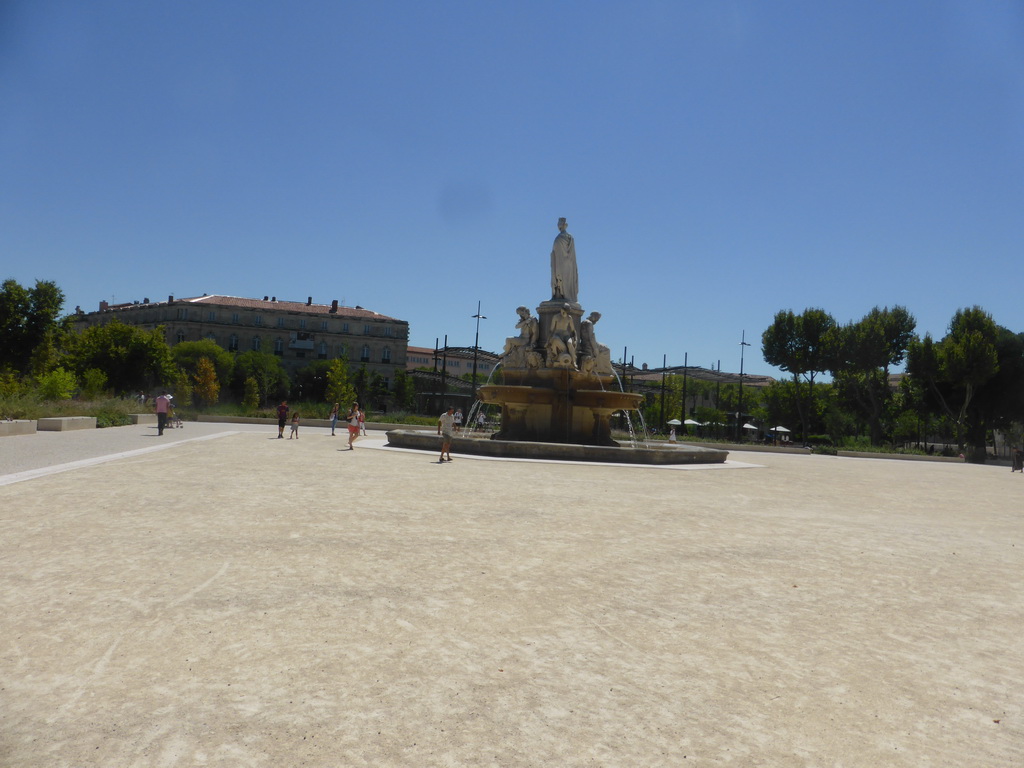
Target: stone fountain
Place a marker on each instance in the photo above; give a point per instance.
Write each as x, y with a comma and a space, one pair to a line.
558, 389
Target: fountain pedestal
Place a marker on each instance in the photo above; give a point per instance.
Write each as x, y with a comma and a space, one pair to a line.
557, 405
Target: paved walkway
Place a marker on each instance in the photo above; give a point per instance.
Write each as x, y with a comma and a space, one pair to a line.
219, 597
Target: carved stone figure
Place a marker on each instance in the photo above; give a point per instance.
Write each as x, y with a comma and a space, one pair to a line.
564, 277
562, 340
519, 350
594, 357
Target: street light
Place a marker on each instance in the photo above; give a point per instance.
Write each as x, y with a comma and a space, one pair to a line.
743, 343
476, 344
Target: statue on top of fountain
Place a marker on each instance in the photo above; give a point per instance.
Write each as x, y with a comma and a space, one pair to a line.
594, 357
520, 351
561, 346
564, 348
565, 282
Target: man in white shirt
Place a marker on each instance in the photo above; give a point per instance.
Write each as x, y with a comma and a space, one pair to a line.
445, 426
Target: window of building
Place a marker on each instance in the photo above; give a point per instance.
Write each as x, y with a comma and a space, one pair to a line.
255, 343
389, 330
344, 327
321, 351
302, 323
182, 313
211, 317
278, 346
365, 358
385, 356
234, 317
341, 350
366, 330
212, 337
181, 336
233, 343
280, 322
258, 320
323, 325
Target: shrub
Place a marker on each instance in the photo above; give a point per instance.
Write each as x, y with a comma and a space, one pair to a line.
94, 381
58, 384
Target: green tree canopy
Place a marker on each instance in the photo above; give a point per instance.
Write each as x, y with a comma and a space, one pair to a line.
266, 370
311, 382
187, 355
132, 358
861, 354
28, 316
803, 346
339, 384
954, 369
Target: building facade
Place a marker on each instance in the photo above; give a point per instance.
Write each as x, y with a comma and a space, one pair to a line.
298, 333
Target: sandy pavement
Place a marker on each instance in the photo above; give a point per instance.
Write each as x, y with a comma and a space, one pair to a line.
240, 600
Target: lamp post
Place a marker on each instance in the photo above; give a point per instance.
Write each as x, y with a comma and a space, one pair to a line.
739, 414
476, 345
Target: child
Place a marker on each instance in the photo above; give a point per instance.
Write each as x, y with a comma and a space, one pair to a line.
295, 426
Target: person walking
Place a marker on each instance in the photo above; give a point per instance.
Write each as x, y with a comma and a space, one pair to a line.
353, 425
334, 417
362, 422
295, 426
163, 407
282, 418
458, 420
445, 426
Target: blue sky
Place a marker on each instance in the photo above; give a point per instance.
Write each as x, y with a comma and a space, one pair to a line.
717, 161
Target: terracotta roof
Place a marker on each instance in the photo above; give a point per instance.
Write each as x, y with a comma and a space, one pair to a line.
286, 306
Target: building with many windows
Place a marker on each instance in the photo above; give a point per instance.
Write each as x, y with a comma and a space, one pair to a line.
297, 332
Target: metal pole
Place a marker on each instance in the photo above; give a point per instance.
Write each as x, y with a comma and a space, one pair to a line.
476, 347
444, 373
682, 417
739, 414
664, 363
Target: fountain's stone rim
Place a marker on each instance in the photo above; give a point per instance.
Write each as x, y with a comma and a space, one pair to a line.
662, 454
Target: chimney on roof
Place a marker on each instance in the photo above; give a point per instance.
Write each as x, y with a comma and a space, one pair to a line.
266, 298
309, 301
170, 299
334, 306
145, 300
273, 298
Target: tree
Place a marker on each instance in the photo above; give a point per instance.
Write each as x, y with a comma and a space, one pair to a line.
132, 358
339, 387
27, 317
94, 381
378, 391
206, 388
800, 345
860, 356
187, 355
955, 368
404, 390
361, 383
58, 384
266, 370
311, 382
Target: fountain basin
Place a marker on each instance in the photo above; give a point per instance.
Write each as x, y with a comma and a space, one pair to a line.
557, 414
656, 455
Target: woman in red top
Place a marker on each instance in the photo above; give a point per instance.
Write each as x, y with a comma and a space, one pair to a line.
353, 425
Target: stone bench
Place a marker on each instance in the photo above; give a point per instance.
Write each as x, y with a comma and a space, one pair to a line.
17, 427
65, 423
143, 418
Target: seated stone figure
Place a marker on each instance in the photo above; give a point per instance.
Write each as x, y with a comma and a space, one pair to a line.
594, 357
562, 341
519, 350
